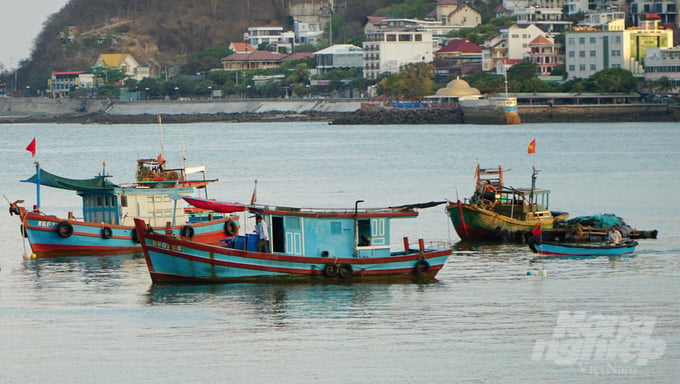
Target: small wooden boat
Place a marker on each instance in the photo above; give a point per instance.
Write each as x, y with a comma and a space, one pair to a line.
307, 244
106, 227
580, 249
500, 213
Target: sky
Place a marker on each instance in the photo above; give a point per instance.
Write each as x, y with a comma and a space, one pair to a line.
19, 28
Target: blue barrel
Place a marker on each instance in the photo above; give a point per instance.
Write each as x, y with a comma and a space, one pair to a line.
239, 242
251, 242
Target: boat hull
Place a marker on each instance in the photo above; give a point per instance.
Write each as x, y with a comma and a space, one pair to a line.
477, 224
176, 260
97, 239
552, 249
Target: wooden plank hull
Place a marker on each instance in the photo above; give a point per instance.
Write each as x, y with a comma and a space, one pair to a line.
171, 260
78, 238
473, 223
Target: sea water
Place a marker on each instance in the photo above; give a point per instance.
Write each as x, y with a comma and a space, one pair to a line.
492, 316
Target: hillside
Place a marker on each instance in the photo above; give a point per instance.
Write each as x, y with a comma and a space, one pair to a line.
162, 33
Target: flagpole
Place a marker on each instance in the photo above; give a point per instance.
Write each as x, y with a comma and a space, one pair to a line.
37, 188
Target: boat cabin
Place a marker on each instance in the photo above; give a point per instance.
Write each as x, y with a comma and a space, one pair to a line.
332, 233
119, 206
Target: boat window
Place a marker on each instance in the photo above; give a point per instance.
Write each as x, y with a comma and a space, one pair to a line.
336, 228
292, 223
123, 200
99, 201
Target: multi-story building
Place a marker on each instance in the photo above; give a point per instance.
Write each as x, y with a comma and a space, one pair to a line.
547, 19
61, 84
665, 11
589, 51
277, 39
388, 50
339, 56
663, 62
454, 13
542, 52
519, 38
458, 57
494, 49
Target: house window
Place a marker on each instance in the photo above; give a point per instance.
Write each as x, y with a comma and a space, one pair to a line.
405, 37
391, 37
592, 40
593, 53
581, 53
581, 40
582, 67
419, 37
572, 68
593, 67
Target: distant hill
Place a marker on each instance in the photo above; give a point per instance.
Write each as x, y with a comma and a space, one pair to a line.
164, 32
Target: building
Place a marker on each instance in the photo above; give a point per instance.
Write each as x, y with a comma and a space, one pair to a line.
547, 19
542, 52
306, 32
458, 57
589, 51
124, 62
277, 39
663, 62
388, 51
665, 11
519, 38
241, 48
339, 56
453, 13
494, 49
252, 60
61, 84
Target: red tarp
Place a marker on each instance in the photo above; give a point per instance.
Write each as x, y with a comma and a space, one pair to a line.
216, 206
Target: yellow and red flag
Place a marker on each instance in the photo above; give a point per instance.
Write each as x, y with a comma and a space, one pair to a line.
532, 147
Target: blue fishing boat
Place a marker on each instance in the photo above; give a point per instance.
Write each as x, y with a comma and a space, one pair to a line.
106, 225
305, 244
580, 249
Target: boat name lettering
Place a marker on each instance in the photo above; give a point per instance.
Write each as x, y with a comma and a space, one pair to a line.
46, 224
164, 245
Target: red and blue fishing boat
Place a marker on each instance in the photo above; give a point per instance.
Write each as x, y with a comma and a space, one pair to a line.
106, 226
306, 244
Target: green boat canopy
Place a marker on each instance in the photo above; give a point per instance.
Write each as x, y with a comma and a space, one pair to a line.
96, 183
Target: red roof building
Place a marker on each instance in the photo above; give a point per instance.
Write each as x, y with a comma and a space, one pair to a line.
542, 52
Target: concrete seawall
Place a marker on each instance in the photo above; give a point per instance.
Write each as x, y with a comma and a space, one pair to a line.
340, 111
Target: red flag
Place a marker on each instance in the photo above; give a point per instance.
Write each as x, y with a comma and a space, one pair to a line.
253, 198
159, 158
536, 231
32, 147
532, 147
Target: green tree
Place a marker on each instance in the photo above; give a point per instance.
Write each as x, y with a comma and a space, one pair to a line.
613, 80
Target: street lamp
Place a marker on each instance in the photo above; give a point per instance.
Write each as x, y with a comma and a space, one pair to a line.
28, 91
210, 92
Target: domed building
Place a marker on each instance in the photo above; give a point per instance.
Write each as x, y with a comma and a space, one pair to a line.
456, 90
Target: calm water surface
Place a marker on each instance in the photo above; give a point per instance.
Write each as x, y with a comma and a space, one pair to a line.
99, 319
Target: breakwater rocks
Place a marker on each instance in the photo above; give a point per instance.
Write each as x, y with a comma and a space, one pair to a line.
400, 116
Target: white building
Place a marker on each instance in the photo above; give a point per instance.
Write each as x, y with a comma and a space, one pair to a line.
590, 51
307, 33
519, 38
611, 20
663, 62
548, 19
339, 56
388, 51
276, 37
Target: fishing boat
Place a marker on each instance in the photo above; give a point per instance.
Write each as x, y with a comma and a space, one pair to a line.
580, 249
106, 226
497, 212
306, 244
